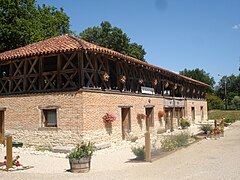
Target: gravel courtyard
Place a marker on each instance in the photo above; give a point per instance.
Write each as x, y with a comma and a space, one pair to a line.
206, 159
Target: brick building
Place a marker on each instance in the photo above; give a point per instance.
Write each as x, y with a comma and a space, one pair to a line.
56, 92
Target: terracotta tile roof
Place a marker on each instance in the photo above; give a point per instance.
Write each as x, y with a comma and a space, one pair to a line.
67, 43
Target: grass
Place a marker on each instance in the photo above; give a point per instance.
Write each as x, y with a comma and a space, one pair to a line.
227, 114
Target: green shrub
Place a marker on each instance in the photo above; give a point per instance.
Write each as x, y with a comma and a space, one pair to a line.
206, 127
229, 120
139, 152
182, 139
184, 123
173, 142
169, 144
82, 150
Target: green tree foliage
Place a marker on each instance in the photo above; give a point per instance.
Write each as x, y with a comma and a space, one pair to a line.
236, 102
23, 22
113, 38
214, 102
232, 84
200, 75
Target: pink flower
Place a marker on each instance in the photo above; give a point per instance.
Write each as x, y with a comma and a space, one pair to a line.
109, 118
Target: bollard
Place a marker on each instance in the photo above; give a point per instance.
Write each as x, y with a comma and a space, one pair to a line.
147, 147
9, 152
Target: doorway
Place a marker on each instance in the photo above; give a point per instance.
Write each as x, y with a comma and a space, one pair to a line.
202, 114
193, 115
126, 122
169, 118
149, 118
179, 115
2, 127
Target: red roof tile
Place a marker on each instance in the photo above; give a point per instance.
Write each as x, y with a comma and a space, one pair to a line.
67, 43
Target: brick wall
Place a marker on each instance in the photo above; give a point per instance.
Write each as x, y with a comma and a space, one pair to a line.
23, 111
196, 104
80, 116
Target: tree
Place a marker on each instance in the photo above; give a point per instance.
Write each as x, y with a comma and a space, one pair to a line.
199, 75
236, 102
214, 102
22, 23
113, 38
232, 84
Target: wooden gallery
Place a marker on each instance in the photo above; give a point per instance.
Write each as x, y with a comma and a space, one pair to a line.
64, 89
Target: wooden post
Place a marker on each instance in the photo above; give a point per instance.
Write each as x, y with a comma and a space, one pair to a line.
215, 123
9, 152
147, 147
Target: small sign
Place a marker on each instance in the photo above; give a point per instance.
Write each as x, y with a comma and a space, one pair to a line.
147, 90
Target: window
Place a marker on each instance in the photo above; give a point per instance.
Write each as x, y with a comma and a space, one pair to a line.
4, 70
50, 64
50, 117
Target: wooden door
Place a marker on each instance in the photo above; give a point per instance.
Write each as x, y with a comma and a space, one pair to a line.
202, 114
1, 127
126, 122
149, 118
193, 115
169, 118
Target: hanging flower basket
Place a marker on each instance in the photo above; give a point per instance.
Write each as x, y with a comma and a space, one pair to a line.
166, 84
105, 77
141, 116
161, 114
140, 81
174, 86
122, 79
154, 82
109, 118
181, 89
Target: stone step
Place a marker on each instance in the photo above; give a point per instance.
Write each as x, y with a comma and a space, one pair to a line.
103, 145
62, 149
67, 149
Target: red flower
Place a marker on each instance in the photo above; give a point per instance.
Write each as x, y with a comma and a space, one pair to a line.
109, 118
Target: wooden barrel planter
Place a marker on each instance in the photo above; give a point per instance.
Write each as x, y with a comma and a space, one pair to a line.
80, 165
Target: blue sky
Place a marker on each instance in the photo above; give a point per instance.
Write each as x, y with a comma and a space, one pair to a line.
176, 34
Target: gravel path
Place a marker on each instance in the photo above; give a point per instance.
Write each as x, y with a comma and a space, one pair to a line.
206, 159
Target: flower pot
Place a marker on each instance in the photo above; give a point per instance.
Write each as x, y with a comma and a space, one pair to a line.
17, 144
80, 165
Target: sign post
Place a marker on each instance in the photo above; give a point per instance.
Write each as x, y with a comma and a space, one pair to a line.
147, 147
9, 152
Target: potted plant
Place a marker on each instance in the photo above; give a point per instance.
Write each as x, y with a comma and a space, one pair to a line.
222, 131
80, 157
184, 123
206, 128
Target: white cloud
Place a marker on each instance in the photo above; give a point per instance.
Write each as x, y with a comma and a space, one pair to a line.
236, 26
